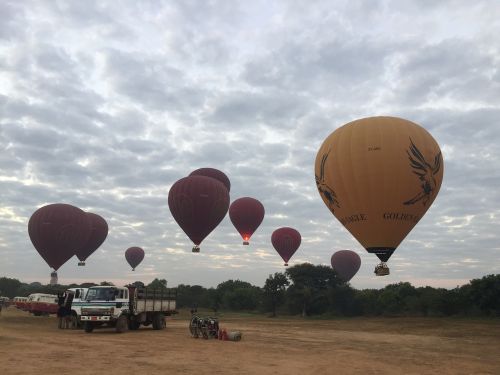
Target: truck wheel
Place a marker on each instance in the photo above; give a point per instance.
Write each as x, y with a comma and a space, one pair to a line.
158, 321
88, 327
121, 324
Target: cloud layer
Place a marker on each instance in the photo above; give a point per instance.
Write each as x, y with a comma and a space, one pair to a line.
105, 105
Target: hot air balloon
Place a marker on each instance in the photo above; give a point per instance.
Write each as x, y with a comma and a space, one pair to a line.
98, 234
246, 214
214, 173
198, 204
346, 264
378, 176
57, 230
286, 241
134, 256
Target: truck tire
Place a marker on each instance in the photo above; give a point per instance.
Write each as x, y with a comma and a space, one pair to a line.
88, 327
121, 324
158, 321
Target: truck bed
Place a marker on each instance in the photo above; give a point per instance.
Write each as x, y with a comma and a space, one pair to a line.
155, 300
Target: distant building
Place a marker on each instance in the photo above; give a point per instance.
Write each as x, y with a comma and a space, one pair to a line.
53, 278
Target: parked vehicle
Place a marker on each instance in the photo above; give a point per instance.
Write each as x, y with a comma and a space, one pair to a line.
127, 307
20, 302
5, 301
72, 301
42, 304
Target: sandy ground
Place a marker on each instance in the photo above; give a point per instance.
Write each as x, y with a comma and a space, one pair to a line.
34, 345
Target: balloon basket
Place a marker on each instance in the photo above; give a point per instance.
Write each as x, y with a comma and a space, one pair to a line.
382, 269
195, 249
81, 263
286, 264
246, 243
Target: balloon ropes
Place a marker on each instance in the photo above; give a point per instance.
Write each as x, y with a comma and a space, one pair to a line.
134, 256
246, 214
286, 241
198, 204
379, 176
346, 264
57, 231
98, 234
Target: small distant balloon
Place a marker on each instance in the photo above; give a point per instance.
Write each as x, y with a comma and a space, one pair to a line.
57, 230
246, 214
286, 241
98, 234
198, 204
213, 173
346, 264
134, 256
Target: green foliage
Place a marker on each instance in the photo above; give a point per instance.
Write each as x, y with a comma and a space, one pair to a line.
313, 290
485, 294
274, 292
158, 284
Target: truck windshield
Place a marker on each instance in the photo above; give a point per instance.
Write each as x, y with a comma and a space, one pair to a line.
103, 294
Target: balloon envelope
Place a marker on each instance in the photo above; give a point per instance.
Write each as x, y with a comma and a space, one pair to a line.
98, 233
346, 263
286, 241
246, 214
378, 176
134, 256
57, 231
213, 173
198, 204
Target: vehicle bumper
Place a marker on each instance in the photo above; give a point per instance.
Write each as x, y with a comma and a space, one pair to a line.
95, 318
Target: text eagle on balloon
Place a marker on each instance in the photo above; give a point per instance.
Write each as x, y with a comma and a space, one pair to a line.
325, 190
425, 173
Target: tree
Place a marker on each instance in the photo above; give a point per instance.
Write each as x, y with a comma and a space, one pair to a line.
229, 291
158, 284
310, 285
274, 291
485, 294
106, 283
9, 287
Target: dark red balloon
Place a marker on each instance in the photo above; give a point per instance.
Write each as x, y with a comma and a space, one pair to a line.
134, 255
246, 214
57, 231
214, 173
346, 264
286, 241
198, 204
98, 234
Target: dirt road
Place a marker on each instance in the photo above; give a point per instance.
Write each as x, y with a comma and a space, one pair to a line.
34, 345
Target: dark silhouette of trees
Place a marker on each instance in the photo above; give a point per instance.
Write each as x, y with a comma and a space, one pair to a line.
274, 292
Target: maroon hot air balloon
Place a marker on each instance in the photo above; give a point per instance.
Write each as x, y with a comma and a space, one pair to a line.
214, 173
98, 234
198, 204
246, 214
286, 241
346, 264
134, 255
57, 231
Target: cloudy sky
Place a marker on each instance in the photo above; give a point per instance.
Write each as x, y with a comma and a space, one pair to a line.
105, 105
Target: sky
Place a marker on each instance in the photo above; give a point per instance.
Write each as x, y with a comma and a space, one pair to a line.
105, 105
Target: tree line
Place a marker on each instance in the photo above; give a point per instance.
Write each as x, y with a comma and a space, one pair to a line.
314, 290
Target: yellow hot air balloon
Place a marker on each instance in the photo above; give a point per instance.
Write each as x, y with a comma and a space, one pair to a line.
378, 176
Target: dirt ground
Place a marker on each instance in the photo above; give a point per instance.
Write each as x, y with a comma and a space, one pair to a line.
34, 345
